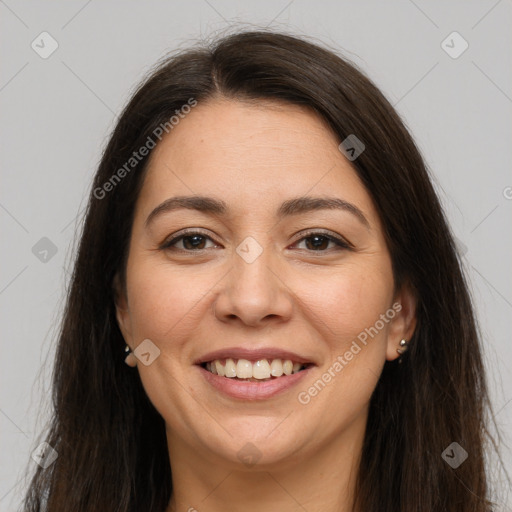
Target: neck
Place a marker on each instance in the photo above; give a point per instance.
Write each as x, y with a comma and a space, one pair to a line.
322, 478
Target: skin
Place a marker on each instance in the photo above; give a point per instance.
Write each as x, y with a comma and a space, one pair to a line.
254, 156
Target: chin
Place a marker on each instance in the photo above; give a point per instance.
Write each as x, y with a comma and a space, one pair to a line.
258, 442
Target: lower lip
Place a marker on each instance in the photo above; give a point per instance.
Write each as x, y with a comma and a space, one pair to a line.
253, 390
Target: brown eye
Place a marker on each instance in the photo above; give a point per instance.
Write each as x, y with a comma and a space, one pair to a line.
321, 243
317, 243
194, 242
189, 242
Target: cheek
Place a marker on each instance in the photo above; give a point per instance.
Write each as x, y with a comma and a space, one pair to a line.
165, 302
345, 302
346, 308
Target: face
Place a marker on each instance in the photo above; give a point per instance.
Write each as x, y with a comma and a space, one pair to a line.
254, 243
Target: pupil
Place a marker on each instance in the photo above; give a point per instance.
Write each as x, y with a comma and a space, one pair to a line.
318, 242
197, 240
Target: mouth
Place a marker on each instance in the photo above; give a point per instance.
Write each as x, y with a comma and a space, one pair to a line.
254, 374
260, 370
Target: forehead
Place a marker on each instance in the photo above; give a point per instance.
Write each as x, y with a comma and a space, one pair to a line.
250, 154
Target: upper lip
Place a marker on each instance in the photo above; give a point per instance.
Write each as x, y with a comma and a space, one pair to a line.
253, 355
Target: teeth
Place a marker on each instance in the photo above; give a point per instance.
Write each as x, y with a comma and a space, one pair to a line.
230, 368
220, 368
276, 368
243, 369
260, 370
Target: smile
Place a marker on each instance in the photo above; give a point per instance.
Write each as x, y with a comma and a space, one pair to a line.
260, 370
254, 373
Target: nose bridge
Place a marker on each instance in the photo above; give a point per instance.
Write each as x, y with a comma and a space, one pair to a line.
251, 263
252, 291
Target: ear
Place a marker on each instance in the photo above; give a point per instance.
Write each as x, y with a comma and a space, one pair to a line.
123, 317
403, 324
122, 309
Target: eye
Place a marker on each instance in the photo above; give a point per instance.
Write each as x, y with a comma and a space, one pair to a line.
322, 242
189, 241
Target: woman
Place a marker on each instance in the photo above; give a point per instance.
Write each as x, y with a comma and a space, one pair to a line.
263, 240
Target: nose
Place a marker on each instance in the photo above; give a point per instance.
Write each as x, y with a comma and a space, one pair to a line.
254, 293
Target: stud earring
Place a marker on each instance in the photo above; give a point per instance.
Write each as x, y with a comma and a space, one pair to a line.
404, 346
130, 358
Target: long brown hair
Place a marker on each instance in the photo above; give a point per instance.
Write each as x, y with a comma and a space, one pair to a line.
110, 440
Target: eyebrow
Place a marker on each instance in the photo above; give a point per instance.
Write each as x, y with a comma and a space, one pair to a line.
295, 206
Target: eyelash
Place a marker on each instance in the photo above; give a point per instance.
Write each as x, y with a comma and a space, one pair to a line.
340, 242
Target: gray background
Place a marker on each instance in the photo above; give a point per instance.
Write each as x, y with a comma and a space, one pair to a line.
58, 111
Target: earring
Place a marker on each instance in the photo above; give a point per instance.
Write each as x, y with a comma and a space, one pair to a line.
404, 346
130, 358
